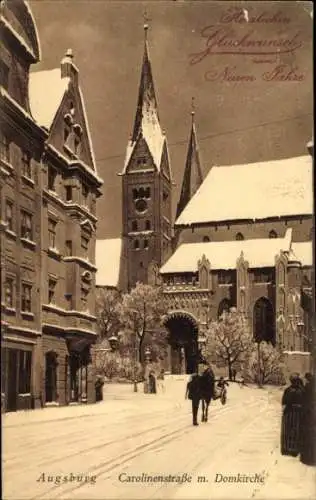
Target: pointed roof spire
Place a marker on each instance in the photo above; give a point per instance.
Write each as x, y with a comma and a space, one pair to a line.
146, 122
192, 178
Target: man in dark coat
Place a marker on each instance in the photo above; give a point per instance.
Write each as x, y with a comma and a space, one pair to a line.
193, 392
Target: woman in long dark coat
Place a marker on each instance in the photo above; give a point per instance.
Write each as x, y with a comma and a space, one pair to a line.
308, 424
292, 401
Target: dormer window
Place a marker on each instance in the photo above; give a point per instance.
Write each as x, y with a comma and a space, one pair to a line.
142, 161
68, 119
78, 135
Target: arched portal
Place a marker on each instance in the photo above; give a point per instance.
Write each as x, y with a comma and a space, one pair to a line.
51, 376
183, 340
264, 321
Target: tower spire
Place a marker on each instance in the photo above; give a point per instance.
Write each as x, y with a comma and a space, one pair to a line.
146, 123
192, 177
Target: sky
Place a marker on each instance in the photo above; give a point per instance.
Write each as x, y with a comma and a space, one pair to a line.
253, 105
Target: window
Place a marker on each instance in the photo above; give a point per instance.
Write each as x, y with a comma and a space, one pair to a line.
147, 225
85, 192
26, 165
5, 148
147, 192
165, 196
4, 75
25, 364
84, 242
206, 239
262, 276
26, 225
52, 233
68, 248
52, 174
77, 142
135, 194
136, 245
9, 292
239, 237
134, 225
68, 193
26, 305
224, 278
84, 298
273, 234
9, 215
141, 161
146, 244
51, 290
66, 134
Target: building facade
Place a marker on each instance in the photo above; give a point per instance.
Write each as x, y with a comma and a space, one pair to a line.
244, 241
49, 188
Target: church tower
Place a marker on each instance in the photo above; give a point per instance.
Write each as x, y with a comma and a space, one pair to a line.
146, 186
192, 177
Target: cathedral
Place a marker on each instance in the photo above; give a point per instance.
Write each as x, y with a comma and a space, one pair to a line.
242, 237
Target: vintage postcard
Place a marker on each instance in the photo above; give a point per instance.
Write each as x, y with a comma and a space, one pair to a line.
157, 234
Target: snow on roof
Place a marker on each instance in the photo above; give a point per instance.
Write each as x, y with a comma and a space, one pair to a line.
46, 91
108, 261
258, 252
88, 131
303, 251
252, 191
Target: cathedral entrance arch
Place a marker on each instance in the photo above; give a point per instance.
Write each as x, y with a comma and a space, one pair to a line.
264, 321
183, 340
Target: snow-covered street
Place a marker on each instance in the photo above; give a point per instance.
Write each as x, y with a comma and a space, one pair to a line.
144, 446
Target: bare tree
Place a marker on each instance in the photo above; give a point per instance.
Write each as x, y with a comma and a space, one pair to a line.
271, 364
108, 313
229, 338
142, 310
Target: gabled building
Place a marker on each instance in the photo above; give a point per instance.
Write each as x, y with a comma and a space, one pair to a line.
49, 188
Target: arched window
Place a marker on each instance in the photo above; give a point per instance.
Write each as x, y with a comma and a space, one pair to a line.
239, 237
146, 244
135, 194
134, 225
136, 245
273, 234
147, 192
147, 225
141, 192
263, 321
224, 306
206, 239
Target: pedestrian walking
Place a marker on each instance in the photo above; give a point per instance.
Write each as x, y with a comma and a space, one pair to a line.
152, 383
308, 423
161, 381
292, 401
234, 373
193, 392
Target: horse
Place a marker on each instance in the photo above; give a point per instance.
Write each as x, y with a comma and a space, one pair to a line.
207, 391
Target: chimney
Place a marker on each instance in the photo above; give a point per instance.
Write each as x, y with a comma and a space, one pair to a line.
68, 69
